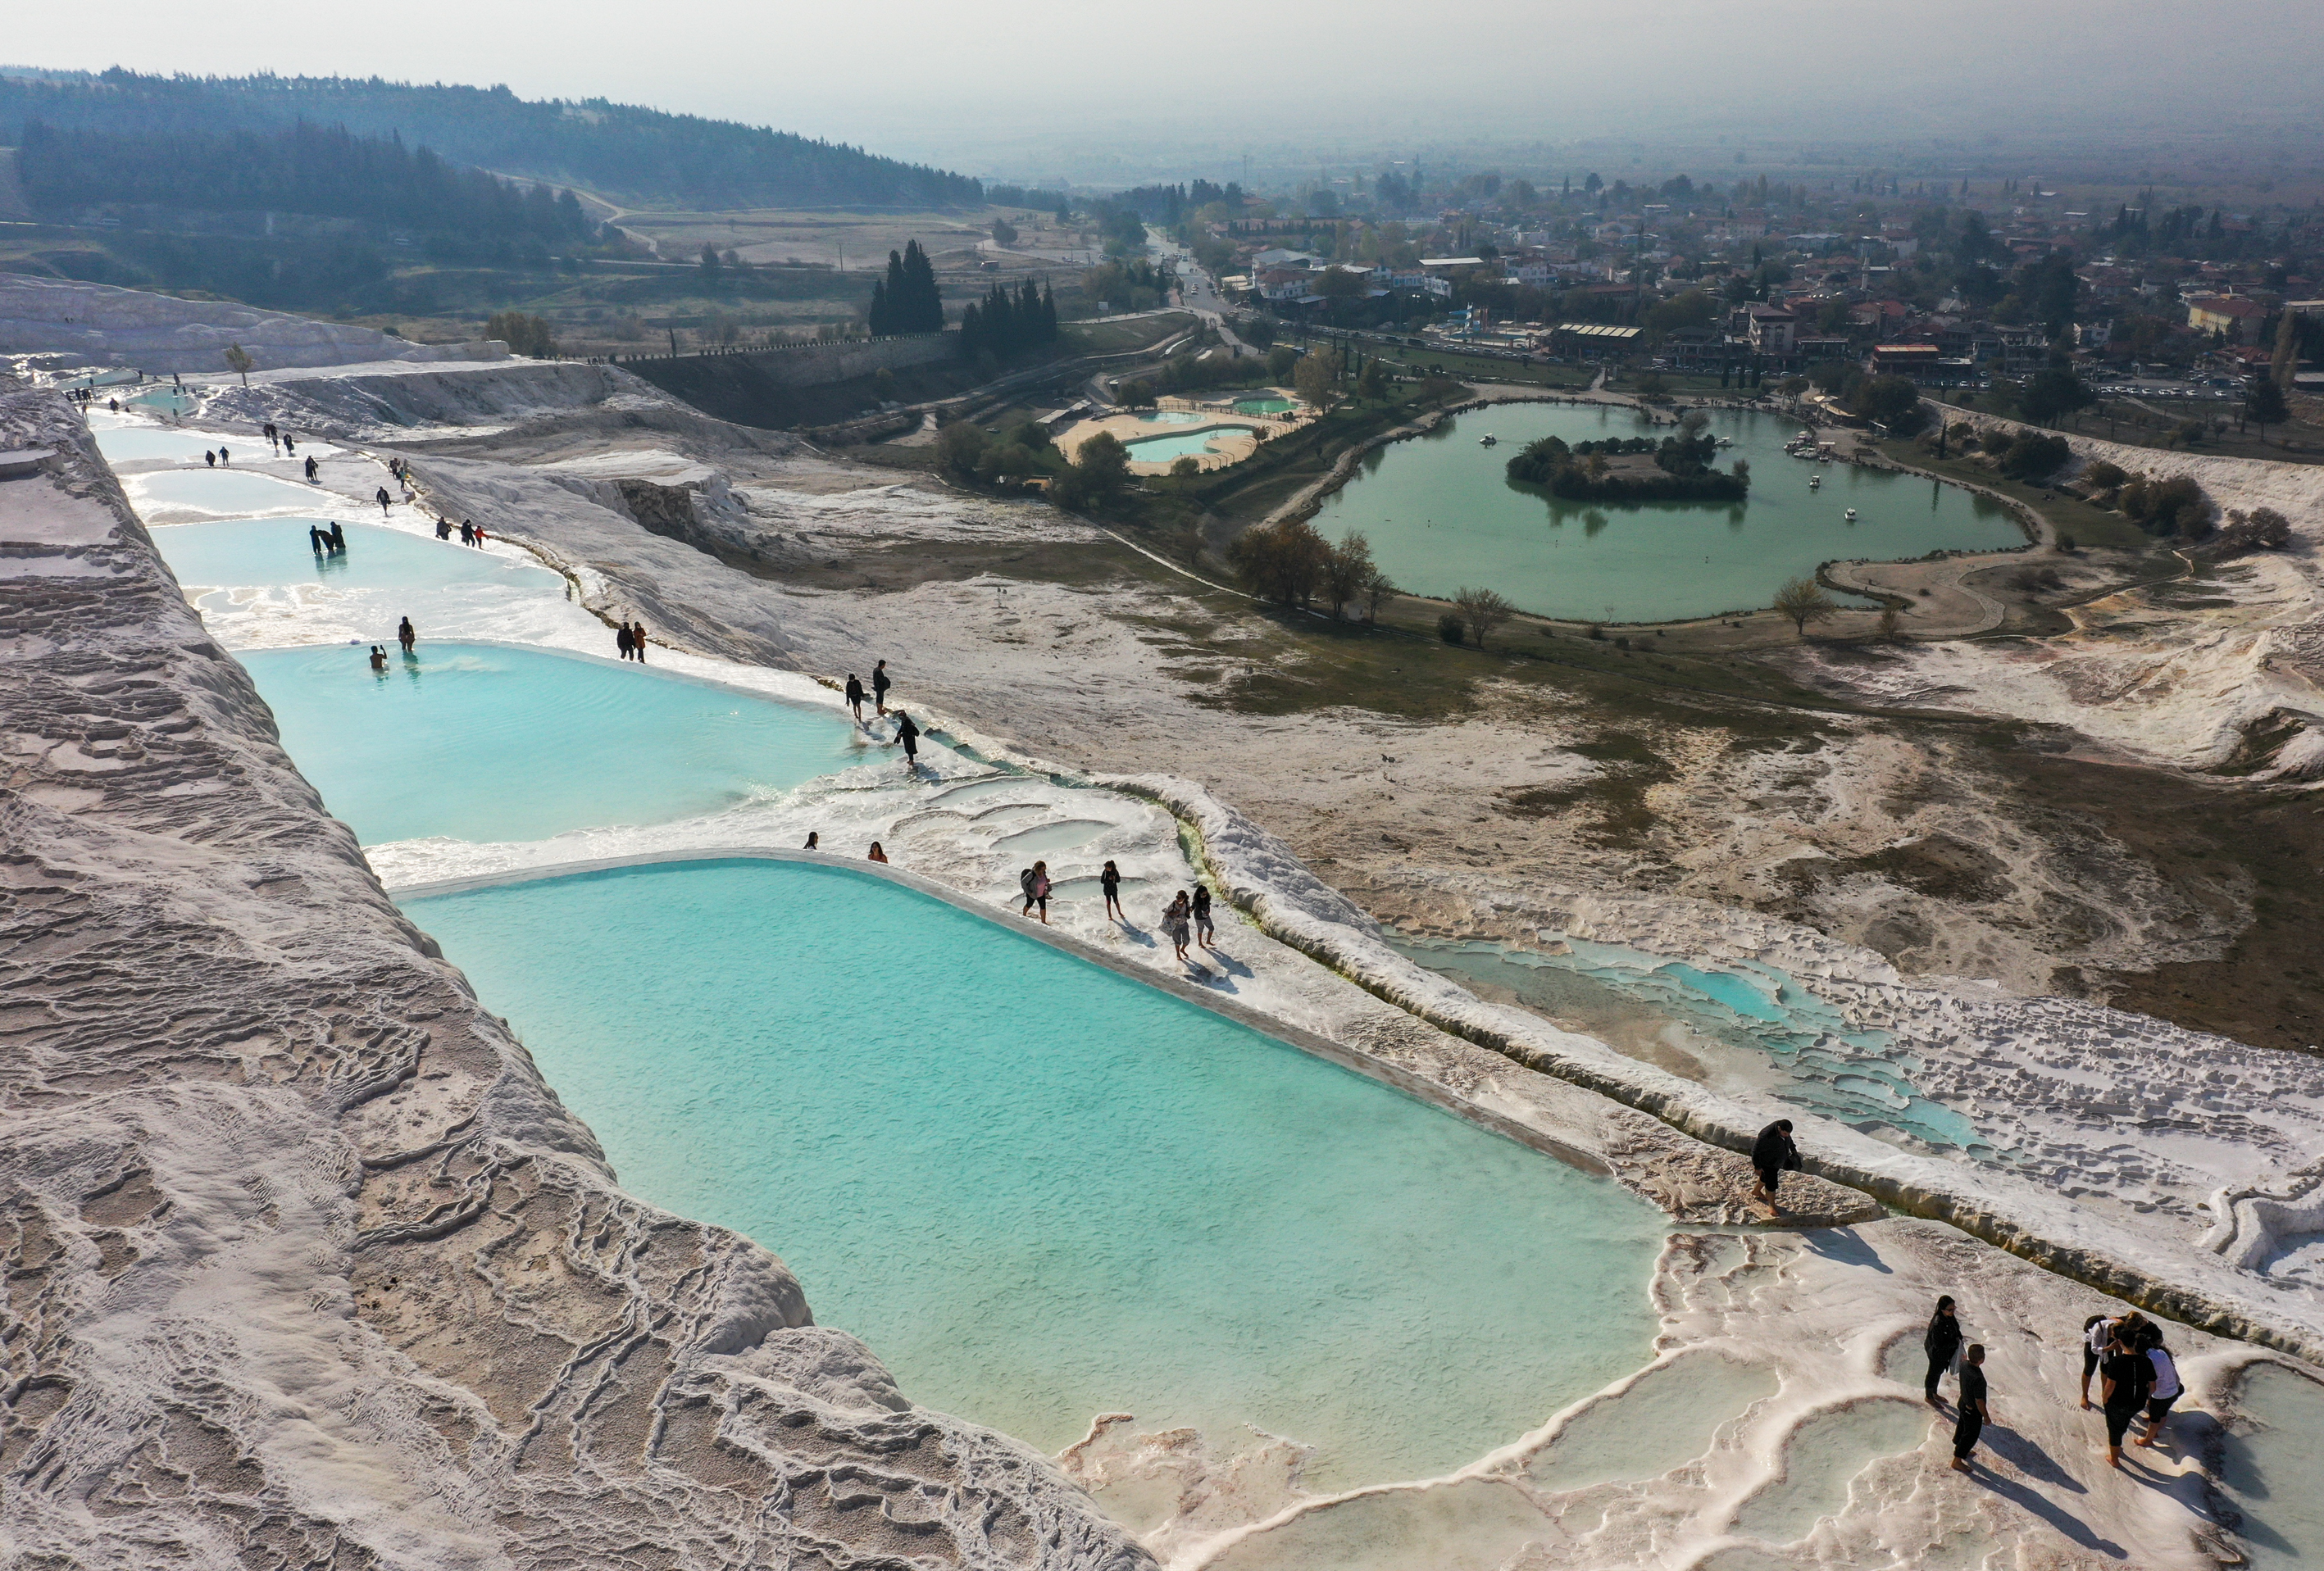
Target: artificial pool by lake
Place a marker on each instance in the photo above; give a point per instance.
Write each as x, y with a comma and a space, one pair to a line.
1041, 1191
1195, 444
1442, 514
492, 742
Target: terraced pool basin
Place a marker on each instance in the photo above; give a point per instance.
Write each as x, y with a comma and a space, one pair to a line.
1042, 1190
485, 743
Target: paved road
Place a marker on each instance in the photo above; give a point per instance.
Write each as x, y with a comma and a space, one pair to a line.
1197, 292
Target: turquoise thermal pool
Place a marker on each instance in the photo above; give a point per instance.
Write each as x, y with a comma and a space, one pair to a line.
1041, 1191
253, 555
1264, 406
1750, 1028
135, 444
1194, 444
224, 491
1170, 418
1441, 513
485, 742
2267, 1468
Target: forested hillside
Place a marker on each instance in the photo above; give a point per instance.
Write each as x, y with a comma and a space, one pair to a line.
302, 168
642, 156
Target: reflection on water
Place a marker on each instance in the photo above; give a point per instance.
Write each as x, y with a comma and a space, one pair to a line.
1441, 513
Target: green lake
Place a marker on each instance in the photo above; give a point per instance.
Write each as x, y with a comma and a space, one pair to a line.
1443, 514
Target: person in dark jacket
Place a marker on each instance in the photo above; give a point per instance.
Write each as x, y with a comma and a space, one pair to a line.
856, 698
1771, 1154
879, 685
2126, 1381
1940, 1341
1974, 1413
909, 735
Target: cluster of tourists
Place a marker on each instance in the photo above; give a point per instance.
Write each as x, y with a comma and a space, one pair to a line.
471, 534
631, 641
2137, 1378
330, 542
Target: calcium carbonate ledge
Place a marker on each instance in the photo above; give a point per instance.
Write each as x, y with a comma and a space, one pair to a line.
1417, 1086
1261, 876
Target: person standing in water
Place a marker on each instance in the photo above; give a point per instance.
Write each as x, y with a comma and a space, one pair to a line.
909, 735
814, 841
1974, 1413
1940, 1341
877, 854
407, 635
1771, 1154
339, 536
856, 698
315, 539
1109, 881
379, 659
879, 685
1203, 931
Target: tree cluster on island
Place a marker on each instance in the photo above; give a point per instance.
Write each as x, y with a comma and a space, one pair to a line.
1578, 472
906, 301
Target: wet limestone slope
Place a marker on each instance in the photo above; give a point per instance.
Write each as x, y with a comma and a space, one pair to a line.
306, 1264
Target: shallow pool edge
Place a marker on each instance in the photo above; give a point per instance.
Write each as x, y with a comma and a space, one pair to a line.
1356, 1062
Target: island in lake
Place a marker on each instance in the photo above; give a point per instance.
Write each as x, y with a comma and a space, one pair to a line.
1635, 468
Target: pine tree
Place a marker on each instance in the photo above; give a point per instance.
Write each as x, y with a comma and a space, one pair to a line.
880, 317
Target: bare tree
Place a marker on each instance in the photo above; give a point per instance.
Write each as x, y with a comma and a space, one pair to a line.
1483, 610
1803, 601
1346, 569
1378, 590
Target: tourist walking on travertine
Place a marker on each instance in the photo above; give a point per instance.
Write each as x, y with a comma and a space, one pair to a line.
1771, 1154
909, 735
1174, 922
856, 698
1940, 1341
2125, 1381
407, 635
1036, 882
622, 639
1974, 1412
2098, 1332
638, 642
1109, 881
879, 685
224, 456
2167, 1387
381, 499
311, 467
1203, 931
209, 458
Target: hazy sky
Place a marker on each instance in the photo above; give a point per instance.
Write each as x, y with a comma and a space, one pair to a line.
983, 86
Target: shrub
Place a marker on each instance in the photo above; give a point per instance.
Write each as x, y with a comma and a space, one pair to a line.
2068, 543
2104, 477
1622, 643
1597, 632
1448, 626
2030, 457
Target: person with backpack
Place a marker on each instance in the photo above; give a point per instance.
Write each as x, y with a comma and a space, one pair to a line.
1773, 1154
879, 685
1035, 881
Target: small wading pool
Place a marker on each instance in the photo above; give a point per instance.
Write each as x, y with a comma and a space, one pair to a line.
1171, 418
1041, 1191
222, 492
251, 554
1194, 444
478, 742
135, 444
1263, 406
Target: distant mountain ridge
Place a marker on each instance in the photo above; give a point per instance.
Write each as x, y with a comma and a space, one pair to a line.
622, 150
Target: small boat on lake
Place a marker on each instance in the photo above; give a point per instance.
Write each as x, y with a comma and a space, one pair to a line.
1488, 440
1851, 515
